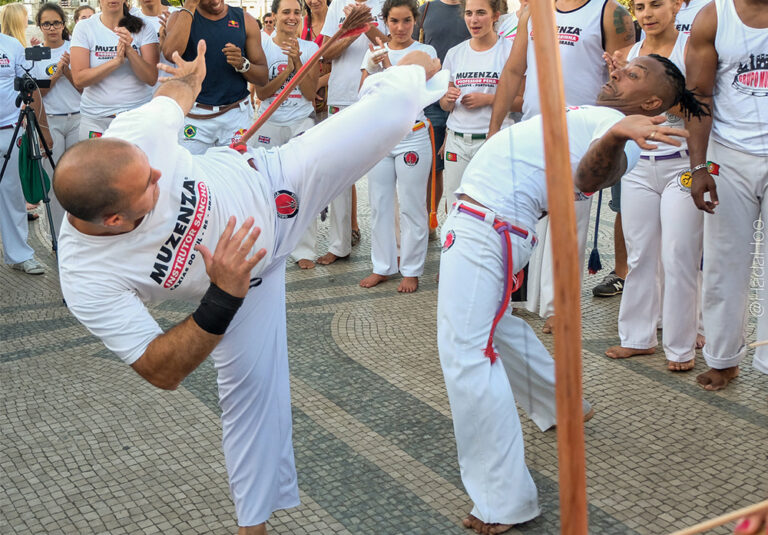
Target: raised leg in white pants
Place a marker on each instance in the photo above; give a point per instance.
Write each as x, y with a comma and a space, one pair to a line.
13, 213
488, 434
729, 235
408, 171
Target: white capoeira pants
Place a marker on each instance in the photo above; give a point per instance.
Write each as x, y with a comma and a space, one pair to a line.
13, 212
198, 134
661, 226
91, 127
252, 358
733, 270
482, 395
407, 169
65, 132
459, 150
541, 282
274, 135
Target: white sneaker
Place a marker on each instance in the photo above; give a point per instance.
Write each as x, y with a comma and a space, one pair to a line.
30, 267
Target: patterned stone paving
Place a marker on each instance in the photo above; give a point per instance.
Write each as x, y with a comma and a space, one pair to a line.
88, 447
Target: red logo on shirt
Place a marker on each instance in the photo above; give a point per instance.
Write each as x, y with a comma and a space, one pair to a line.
752, 76
411, 158
286, 203
233, 24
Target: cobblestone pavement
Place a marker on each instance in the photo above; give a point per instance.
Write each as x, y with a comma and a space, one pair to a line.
88, 447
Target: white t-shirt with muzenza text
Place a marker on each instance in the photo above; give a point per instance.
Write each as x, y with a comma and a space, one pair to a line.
120, 90
475, 72
107, 279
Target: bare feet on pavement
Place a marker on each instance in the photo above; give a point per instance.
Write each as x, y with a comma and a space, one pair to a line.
329, 258
700, 341
372, 280
619, 352
305, 263
717, 379
549, 325
408, 285
472, 522
681, 366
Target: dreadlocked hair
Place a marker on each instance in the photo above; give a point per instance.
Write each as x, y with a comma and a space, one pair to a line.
689, 103
132, 23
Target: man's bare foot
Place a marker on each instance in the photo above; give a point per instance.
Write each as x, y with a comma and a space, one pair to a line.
306, 263
700, 341
329, 258
619, 352
681, 366
717, 379
549, 325
472, 522
261, 529
587, 417
372, 280
408, 285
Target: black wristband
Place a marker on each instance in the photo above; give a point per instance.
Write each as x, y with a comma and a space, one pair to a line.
216, 310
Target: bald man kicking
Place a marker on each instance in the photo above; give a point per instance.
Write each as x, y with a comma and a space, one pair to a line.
148, 222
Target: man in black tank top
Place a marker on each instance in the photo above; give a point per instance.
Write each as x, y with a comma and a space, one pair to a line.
222, 112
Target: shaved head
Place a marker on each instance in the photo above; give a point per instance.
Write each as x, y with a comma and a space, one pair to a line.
86, 177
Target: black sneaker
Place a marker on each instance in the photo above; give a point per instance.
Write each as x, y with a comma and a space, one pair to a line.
611, 285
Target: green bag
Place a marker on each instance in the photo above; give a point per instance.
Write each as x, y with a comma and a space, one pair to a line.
29, 173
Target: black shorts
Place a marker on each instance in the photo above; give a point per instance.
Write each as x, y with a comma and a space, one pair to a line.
437, 117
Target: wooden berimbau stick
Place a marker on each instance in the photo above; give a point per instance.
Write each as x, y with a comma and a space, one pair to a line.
724, 519
567, 273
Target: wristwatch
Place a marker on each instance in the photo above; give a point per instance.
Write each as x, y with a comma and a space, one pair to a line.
246, 65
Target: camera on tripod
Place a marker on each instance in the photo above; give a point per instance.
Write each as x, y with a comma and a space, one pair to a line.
25, 83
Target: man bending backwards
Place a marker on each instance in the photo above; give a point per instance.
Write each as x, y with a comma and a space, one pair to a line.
488, 237
149, 222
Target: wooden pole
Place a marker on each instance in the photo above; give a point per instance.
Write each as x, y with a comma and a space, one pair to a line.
567, 273
724, 519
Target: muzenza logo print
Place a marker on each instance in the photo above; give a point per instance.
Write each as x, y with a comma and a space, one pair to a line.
752, 76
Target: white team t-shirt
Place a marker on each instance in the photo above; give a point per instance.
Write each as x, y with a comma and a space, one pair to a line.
396, 55
155, 23
295, 107
11, 61
197, 195
475, 72
507, 26
63, 97
121, 90
345, 70
507, 175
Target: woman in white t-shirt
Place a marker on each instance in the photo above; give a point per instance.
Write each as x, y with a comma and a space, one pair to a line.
662, 227
406, 168
475, 67
285, 54
62, 99
114, 59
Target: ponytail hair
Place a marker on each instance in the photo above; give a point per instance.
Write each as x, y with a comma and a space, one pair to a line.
132, 23
688, 100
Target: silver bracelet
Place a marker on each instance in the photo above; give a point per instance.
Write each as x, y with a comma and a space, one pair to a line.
188, 11
698, 167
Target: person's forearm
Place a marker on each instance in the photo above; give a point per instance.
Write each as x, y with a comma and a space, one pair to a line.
323, 81
506, 93
144, 71
177, 34
173, 355
309, 83
266, 91
446, 105
602, 165
699, 130
338, 47
94, 75
183, 90
258, 74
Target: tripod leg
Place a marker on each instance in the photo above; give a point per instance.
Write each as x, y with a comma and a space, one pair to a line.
7, 154
34, 136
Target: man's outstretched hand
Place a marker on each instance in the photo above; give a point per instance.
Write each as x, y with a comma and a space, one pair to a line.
647, 130
229, 266
186, 78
